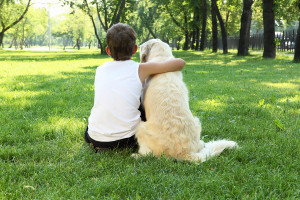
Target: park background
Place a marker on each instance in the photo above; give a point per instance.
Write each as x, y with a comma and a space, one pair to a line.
248, 92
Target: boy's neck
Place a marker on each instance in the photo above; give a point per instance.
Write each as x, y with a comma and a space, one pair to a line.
122, 60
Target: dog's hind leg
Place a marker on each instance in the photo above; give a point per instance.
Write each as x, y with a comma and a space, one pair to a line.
142, 136
143, 150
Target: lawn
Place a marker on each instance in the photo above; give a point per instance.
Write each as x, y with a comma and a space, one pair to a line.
46, 98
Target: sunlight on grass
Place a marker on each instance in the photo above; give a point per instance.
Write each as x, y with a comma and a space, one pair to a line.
58, 123
212, 104
282, 85
290, 99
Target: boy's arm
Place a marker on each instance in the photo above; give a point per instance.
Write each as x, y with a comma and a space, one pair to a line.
150, 68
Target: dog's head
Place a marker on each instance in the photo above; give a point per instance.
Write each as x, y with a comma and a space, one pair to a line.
154, 50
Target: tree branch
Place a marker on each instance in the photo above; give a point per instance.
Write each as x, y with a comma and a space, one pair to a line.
174, 20
120, 11
1, 3
151, 32
99, 17
20, 18
105, 14
117, 14
94, 25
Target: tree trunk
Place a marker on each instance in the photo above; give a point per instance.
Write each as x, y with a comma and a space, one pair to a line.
178, 43
193, 40
1, 37
151, 32
297, 45
11, 43
269, 29
214, 26
245, 29
186, 31
78, 44
223, 29
95, 28
196, 31
203, 31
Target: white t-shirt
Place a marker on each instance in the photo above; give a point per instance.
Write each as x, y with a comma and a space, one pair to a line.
115, 113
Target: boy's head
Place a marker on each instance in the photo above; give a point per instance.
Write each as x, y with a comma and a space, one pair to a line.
121, 40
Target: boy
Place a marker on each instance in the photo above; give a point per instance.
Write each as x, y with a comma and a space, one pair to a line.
118, 87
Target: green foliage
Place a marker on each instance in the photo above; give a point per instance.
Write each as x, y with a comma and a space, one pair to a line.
286, 13
230, 9
10, 11
46, 98
30, 29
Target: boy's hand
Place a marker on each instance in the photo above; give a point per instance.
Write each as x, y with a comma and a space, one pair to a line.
150, 68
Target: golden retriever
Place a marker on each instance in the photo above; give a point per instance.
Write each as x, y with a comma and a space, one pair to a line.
171, 129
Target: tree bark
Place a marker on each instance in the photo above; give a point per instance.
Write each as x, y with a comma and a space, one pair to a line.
204, 20
269, 29
214, 26
223, 29
243, 49
1, 37
297, 45
186, 32
196, 32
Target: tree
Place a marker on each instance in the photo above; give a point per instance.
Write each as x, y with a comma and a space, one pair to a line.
147, 12
214, 26
63, 29
204, 20
245, 28
297, 45
195, 5
29, 29
269, 29
11, 13
179, 12
78, 27
107, 12
223, 29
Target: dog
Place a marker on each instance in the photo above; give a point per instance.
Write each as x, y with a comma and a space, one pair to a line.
171, 129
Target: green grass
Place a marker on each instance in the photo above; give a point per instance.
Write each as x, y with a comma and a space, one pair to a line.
46, 98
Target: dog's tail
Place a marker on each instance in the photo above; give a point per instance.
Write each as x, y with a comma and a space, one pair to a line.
214, 148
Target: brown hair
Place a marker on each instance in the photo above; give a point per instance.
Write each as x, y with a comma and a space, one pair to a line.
121, 40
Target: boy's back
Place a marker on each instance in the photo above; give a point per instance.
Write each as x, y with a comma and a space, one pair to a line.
117, 98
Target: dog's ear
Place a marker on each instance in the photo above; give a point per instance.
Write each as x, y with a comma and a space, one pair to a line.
144, 58
144, 53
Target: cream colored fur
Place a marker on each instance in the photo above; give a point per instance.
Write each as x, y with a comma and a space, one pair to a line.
171, 129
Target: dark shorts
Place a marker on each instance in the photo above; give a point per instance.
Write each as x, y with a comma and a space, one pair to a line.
118, 144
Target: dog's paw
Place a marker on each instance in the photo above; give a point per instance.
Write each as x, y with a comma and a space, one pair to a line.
135, 155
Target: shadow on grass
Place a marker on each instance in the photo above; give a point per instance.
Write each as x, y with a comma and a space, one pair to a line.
43, 108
